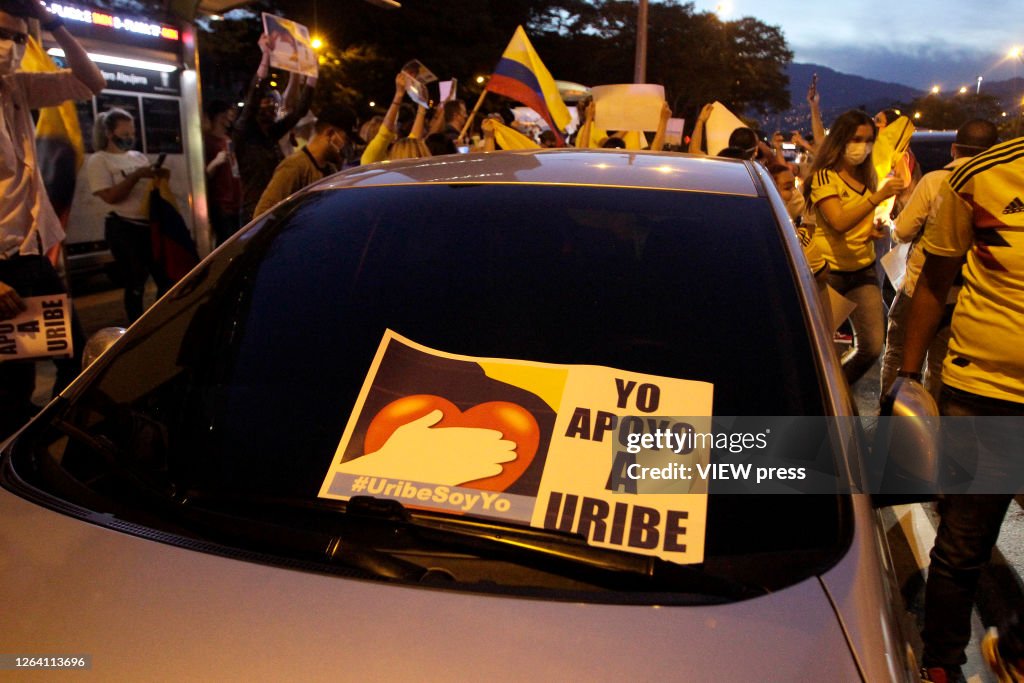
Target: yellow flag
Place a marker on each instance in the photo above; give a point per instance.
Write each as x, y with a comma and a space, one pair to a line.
55, 123
509, 138
890, 145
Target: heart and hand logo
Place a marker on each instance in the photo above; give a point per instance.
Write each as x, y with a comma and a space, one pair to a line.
427, 438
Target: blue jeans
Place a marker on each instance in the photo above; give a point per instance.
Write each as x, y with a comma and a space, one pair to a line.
967, 532
893, 356
867, 320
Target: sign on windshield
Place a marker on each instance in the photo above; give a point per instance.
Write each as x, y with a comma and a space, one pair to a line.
525, 442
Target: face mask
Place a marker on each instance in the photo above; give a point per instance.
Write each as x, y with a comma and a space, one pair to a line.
10, 56
856, 152
124, 144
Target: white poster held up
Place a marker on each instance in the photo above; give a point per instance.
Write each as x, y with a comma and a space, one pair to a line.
449, 89
719, 127
628, 106
42, 330
290, 46
674, 131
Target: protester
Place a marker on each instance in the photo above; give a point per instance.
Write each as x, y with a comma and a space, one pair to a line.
115, 173
334, 127
885, 117
589, 135
377, 147
547, 139
972, 138
843, 192
408, 148
455, 117
796, 207
29, 227
223, 182
386, 144
439, 143
983, 375
258, 130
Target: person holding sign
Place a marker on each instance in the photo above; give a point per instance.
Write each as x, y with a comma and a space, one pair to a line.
843, 192
29, 227
258, 130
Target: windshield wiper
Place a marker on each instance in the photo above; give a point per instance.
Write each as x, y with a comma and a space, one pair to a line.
555, 552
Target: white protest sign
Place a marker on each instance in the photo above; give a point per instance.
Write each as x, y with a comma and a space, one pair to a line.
895, 264
532, 444
720, 125
290, 46
43, 330
449, 89
628, 106
674, 131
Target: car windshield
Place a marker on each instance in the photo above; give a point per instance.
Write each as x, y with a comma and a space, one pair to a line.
232, 395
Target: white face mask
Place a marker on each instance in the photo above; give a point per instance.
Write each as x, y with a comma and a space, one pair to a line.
857, 152
10, 56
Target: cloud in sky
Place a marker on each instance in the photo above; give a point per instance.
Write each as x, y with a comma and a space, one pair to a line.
921, 65
913, 42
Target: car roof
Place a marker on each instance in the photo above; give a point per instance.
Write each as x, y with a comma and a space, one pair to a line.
577, 167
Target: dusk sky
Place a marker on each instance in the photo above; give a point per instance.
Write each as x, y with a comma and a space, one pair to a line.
920, 44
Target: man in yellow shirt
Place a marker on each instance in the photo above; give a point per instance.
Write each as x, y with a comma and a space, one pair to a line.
981, 216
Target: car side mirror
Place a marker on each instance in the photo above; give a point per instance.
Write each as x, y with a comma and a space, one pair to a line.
905, 455
100, 342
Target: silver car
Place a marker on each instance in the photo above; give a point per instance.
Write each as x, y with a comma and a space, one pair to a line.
223, 495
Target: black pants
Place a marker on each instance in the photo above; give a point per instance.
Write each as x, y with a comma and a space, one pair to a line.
32, 276
224, 223
132, 248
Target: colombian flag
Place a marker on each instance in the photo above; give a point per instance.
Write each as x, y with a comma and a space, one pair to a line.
173, 249
521, 76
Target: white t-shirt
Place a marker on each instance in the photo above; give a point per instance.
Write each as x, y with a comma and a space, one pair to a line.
27, 219
106, 169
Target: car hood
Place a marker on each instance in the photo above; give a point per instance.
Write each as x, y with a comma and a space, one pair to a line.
145, 609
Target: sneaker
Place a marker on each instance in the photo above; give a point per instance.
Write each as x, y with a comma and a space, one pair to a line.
1005, 671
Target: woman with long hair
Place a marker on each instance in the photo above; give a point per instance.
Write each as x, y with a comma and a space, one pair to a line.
843, 191
115, 172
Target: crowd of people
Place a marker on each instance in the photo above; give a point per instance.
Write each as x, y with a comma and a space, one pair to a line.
958, 312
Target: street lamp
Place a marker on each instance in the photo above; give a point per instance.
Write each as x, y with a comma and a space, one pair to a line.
963, 89
935, 90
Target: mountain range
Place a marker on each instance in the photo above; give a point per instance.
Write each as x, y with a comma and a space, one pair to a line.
840, 92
